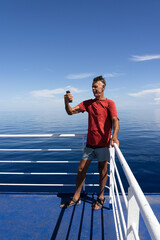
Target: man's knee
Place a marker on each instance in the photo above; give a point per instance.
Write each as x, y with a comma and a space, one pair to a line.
82, 168
102, 167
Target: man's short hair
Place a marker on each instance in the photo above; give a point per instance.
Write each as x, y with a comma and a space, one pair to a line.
101, 79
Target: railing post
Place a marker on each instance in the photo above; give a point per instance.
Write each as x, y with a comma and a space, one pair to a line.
111, 170
133, 216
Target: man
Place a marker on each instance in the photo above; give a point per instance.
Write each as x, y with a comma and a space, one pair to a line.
103, 118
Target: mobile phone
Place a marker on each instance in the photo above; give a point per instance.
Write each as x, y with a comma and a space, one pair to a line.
69, 92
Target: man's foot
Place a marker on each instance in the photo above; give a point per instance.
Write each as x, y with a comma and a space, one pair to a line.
99, 203
70, 203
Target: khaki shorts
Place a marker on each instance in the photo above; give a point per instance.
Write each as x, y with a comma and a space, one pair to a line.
102, 154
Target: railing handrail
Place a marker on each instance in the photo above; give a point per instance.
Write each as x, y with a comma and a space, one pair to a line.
149, 217
40, 135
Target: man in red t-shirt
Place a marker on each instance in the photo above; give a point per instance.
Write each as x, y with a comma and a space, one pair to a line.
102, 118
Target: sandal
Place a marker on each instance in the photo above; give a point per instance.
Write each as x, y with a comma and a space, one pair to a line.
99, 202
69, 204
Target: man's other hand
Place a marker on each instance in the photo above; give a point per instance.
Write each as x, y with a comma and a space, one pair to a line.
114, 140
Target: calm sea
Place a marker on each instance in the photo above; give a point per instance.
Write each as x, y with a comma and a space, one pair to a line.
139, 137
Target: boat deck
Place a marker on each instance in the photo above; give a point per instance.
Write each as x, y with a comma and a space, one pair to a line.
38, 216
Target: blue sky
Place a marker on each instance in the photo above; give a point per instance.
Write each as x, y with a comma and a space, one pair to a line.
48, 47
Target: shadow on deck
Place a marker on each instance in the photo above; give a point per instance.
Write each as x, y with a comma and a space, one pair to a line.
82, 222
38, 216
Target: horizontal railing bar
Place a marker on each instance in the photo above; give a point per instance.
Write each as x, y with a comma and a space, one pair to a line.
34, 173
38, 150
40, 135
35, 184
44, 185
42, 161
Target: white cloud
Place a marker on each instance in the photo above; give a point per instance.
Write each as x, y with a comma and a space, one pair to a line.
111, 75
136, 58
154, 95
47, 93
80, 76
87, 75
145, 92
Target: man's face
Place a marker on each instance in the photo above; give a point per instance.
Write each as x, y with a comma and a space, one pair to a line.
98, 88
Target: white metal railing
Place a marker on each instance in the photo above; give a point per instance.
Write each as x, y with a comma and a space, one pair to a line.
83, 136
135, 204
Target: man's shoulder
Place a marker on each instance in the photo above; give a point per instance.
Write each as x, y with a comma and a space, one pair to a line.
88, 101
109, 103
85, 104
109, 100
105, 101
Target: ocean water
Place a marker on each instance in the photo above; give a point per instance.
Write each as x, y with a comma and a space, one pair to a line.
139, 138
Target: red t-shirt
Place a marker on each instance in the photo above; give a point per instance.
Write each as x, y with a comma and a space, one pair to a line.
99, 121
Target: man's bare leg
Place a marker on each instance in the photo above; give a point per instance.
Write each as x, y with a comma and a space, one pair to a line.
81, 176
82, 169
102, 166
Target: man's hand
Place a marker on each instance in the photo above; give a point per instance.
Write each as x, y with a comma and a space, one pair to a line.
114, 140
68, 97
